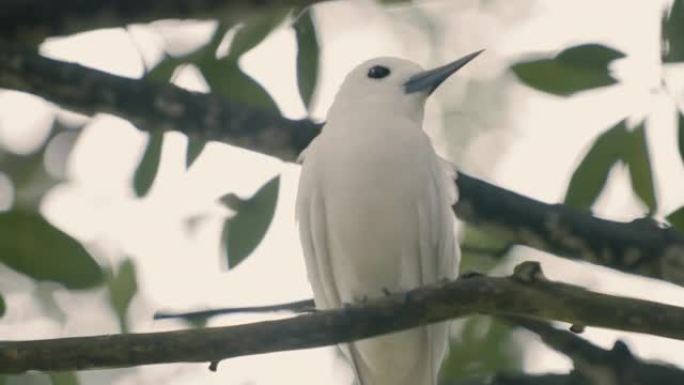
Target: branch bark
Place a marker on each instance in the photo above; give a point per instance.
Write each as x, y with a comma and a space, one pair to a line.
527, 293
31, 21
637, 247
600, 366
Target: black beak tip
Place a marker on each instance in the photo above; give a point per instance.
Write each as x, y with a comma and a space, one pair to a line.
431, 79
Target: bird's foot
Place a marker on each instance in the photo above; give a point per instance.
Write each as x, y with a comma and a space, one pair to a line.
386, 292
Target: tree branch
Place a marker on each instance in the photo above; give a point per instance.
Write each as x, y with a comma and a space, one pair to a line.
32, 21
637, 247
572, 378
525, 294
595, 364
152, 106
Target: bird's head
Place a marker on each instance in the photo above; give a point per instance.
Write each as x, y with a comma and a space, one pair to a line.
392, 85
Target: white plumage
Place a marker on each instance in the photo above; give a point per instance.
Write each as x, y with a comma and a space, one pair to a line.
374, 212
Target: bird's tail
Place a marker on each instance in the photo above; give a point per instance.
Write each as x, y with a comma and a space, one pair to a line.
369, 358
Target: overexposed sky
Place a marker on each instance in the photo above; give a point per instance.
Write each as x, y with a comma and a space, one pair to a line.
537, 149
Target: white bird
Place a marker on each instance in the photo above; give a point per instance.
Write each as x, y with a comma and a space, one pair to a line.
374, 211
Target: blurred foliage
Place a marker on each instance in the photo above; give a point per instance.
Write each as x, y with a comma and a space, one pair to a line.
676, 219
28, 172
307, 56
123, 285
480, 251
64, 378
44, 252
147, 169
484, 346
193, 150
573, 70
243, 232
3, 307
615, 145
586, 66
672, 33
636, 156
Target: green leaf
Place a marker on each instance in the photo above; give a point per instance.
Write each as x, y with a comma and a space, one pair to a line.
636, 156
64, 378
31, 245
3, 307
225, 78
676, 218
243, 232
591, 175
149, 164
193, 150
672, 33
680, 127
122, 288
575, 69
307, 56
254, 32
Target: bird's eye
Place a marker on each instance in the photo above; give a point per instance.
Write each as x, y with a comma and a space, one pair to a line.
378, 72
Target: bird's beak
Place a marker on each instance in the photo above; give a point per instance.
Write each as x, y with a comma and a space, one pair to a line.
430, 80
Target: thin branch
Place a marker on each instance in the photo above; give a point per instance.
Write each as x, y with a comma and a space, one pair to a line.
32, 21
572, 378
306, 305
595, 363
638, 247
527, 293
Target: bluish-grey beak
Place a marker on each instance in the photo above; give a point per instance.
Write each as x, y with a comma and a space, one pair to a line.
430, 80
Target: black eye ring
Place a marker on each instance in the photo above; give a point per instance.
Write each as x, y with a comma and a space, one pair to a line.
378, 72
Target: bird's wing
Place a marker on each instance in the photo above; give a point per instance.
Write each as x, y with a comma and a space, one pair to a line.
311, 217
312, 223
439, 253
449, 179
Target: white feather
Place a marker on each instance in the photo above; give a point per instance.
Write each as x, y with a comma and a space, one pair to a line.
374, 212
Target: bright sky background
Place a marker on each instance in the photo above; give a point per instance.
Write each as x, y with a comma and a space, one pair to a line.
537, 150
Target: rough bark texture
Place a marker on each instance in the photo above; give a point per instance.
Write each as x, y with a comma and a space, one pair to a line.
33, 20
599, 366
527, 293
152, 106
638, 247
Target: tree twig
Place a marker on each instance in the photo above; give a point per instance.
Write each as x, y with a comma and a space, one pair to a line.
297, 306
638, 247
526, 294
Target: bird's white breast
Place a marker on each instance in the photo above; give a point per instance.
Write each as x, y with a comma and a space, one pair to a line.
372, 179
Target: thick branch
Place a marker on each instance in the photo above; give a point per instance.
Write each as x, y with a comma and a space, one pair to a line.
151, 106
34, 20
525, 294
637, 247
